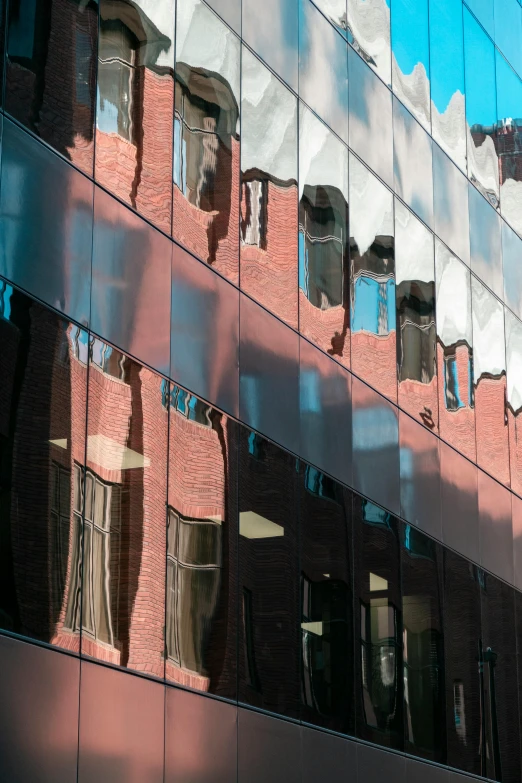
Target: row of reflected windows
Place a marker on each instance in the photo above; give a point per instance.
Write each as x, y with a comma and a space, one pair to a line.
142, 527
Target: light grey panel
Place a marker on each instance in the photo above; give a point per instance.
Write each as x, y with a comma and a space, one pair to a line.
46, 215
38, 714
268, 749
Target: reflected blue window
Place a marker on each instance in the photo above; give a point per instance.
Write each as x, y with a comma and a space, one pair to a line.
374, 429
483, 10
411, 56
319, 484
374, 307
6, 292
374, 515
310, 392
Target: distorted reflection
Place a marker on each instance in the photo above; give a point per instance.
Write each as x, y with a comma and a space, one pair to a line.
372, 279
370, 120
412, 165
450, 204
485, 242
269, 196
201, 531
206, 138
416, 332
271, 29
323, 68
508, 31
423, 647
43, 389
268, 577
326, 601
323, 237
481, 109
369, 34
51, 73
125, 491
455, 352
420, 476
508, 141
447, 78
514, 397
335, 11
379, 674
489, 376
135, 105
411, 57
512, 269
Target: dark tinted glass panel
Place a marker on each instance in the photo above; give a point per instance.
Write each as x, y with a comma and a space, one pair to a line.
420, 476
323, 68
202, 546
463, 691
416, 332
447, 78
125, 489
269, 197
514, 397
496, 531
369, 34
485, 242
450, 204
51, 73
455, 352
271, 30
481, 109
423, 645
372, 259
497, 654
206, 138
324, 287
489, 375
512, 269
379, 680
459, 503
411, 57
326, 602
412, 165
370, 122
268, 577
135, 105
43, 387
509, 137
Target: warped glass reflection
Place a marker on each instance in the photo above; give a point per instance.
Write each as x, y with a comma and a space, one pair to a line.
509, 141
411, 57
369, 33
514, 397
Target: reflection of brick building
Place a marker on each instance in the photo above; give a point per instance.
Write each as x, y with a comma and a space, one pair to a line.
492, 426
456, 409
508, 143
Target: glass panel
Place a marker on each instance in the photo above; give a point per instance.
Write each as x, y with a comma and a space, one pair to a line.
268, 577
372, 280
411, 57
206, 138
485, 243
335, 11
489, 376
412, 166
423, 646
496, 531
323, 238
415, 297
481, 109
230, 11
420, 476
512, 269
447, 78
134, 122
514, 397
51, 73
43, 388
459, 503
323, 68
127, 429
370, 122
201, 613
326, 602
483, 10
450, 204
269, 197
462, 630
271, 29
379, 679
455, 352
509, 139
508, 31
369, 34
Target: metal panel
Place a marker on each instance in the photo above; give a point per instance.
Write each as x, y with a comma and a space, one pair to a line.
327, 758
269, 749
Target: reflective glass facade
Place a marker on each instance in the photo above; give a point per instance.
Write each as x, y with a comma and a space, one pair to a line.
260, 387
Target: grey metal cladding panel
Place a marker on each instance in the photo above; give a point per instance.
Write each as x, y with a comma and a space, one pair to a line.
325, 412
374, 766
495, 527
326, 757
268, 749
200, 739
417, 772
121, 727
269, 375
420, 476
131, 271
204, 332
38, 714
46, 216
459, 503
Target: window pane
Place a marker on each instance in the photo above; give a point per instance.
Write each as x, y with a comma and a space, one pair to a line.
509, 138
200, 544
369, 34
101, 586
411, 57
197, 599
